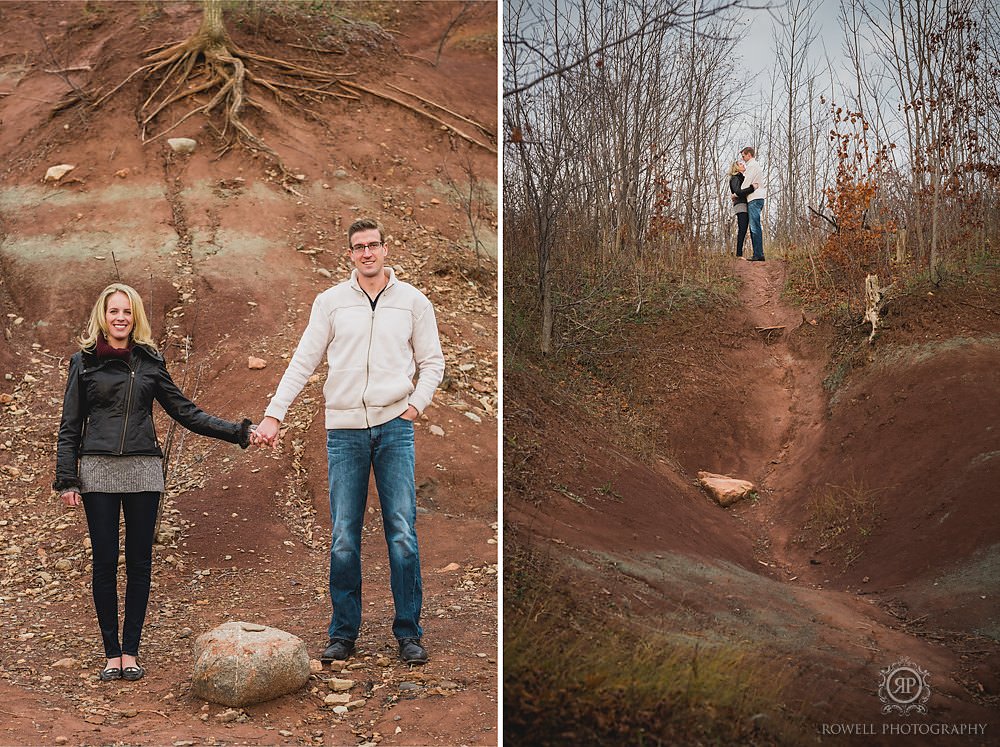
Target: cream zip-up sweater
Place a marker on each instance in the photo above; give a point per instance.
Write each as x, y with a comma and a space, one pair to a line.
372, 355
754, 173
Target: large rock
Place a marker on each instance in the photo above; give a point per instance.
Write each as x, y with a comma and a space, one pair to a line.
239, 663
725, 490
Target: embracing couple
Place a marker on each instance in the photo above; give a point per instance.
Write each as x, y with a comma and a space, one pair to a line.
746, 183
376, 333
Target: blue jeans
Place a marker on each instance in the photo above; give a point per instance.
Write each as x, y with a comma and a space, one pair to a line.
754, 209
352, 454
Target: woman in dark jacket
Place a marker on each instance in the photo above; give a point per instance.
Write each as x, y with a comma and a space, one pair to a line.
108, 458
739, 197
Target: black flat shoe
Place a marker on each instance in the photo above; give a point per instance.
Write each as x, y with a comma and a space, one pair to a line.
107, 675
133, 673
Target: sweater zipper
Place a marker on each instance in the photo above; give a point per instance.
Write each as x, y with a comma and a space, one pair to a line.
368, 367
128, 407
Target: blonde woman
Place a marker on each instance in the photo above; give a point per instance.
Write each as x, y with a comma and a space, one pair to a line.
109, 460
739, 197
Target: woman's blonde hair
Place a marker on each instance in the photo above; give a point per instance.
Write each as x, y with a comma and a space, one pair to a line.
735, 168
98, 323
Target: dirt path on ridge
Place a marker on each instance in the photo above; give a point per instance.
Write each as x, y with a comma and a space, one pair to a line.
787, 393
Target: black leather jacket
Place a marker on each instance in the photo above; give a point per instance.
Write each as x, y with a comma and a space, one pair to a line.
108, 409
741, 194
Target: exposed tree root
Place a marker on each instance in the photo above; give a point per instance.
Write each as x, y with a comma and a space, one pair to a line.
209, 64
482, 128
350, 85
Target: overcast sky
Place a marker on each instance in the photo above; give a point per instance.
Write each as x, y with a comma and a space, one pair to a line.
763, 27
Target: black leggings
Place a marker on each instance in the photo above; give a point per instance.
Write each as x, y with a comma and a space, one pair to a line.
742, 223
103, 510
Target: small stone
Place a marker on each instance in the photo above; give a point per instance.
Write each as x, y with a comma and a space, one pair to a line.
339, 685
315, 666
355, 704
409, 686
64, 565
383, 661
185, 633
449, 568
228, 716
340, 710
337, 699
182, 144
55, 173
66, 663
473, 417
437, 430
255, 363
61, 740
285, 732
340, 174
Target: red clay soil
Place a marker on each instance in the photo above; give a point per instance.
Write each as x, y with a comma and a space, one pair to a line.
229, 261
909, 433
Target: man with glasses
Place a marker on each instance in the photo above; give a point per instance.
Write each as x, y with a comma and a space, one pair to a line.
754, 174
377, 332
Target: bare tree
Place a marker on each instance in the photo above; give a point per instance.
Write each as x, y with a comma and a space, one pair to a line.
795, 36
609, 106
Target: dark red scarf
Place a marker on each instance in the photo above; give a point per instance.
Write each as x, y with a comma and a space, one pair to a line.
104, 350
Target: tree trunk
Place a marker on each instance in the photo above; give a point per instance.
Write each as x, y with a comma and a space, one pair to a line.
545, 287
212, 27
934, 259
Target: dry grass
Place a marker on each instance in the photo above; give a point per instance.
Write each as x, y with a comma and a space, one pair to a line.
842, 518
577, 675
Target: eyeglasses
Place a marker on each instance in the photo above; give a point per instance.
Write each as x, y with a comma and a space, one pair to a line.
360, 248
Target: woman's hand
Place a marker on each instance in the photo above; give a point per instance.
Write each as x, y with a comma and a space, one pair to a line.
411, 414
71, 498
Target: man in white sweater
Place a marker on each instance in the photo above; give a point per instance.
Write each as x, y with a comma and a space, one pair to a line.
376, 332
754, 174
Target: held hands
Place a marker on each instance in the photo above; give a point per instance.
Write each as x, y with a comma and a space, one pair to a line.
266, 434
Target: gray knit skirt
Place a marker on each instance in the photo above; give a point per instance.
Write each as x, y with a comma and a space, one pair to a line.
121, 474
